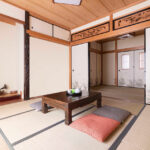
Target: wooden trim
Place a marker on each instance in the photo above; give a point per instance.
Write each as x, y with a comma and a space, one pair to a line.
70, 67
90, 32
115, 33
47, 37
89, 27
95, 51
26, 58
106, 52
9, 21
111, 22
116, 63
132, 19
124, 50
127, 14
101, 64
12, 19
130, 49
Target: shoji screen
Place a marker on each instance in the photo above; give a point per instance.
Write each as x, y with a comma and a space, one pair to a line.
80, 66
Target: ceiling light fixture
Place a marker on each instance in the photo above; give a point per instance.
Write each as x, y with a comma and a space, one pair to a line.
126, 36
71, 2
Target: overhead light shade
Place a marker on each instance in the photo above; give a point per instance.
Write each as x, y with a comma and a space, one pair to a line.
72, 2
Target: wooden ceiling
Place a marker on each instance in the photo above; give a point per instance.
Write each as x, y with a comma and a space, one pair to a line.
69, 16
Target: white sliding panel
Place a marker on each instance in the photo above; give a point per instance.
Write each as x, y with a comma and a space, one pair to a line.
125, 69
40, 26
139, 74
49, 67
147, 32
12, 11
61, 33
80, 66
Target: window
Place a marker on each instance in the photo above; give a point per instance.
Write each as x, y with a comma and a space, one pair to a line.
125, 61
142, 60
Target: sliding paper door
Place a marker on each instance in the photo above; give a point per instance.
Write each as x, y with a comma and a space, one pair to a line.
80, 66
147, 36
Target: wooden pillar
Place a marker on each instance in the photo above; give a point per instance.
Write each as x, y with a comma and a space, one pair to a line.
111, 22
26, 59
116, 64
70, 67
101, 63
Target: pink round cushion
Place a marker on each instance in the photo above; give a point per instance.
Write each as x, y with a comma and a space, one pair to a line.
96, 126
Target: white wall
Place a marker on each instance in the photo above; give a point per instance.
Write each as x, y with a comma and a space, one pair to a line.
49, 72
108, 46
131, 42
11, 53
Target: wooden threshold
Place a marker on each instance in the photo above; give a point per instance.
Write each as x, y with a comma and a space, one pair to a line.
47, 37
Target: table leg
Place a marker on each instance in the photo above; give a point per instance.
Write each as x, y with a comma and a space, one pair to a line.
68, 117
44, 108
99, 99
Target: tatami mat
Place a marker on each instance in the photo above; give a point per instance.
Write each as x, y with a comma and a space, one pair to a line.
35, 130
15, 108
4, 143
138, 138
124, 94
66, 138
31, 122
134, 108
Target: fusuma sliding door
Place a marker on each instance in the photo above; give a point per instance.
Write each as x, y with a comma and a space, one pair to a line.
80, 66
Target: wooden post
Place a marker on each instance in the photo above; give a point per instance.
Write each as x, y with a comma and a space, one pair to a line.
116, 64
70, 67
26, 59
101, 63
111, 22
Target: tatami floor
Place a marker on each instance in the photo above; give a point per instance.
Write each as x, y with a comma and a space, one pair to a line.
124, 94
27, 129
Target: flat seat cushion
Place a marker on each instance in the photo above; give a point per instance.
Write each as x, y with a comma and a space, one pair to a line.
96, 126
112, 113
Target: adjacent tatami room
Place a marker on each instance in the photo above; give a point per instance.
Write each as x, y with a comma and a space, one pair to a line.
74, 74
117, 67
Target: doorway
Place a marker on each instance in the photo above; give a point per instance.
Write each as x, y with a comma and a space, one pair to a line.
131, 69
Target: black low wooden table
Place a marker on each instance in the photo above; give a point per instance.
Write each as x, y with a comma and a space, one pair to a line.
68, 103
